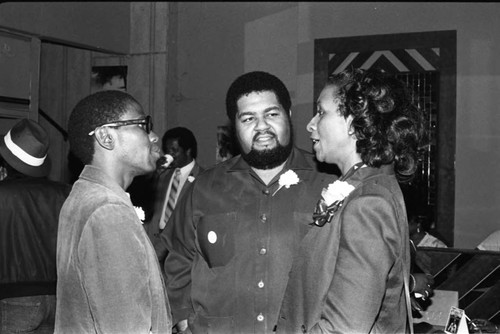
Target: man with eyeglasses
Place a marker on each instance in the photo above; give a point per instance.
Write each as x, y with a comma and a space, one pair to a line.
109, 279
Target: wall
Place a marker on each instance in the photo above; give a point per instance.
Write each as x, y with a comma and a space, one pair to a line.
65, 67
214, 42
218, 41
210, 42
99, 25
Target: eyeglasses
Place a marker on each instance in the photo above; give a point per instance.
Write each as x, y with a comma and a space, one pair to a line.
146, 122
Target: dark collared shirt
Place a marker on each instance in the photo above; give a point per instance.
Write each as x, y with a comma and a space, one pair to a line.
231, 243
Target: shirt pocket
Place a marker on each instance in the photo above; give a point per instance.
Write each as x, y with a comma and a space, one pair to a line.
305, 221
216, 237
213, 325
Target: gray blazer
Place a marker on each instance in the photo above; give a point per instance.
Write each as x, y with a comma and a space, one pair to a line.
349, 275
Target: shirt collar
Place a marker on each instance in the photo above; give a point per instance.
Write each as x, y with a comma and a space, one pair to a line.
187, 169
97, 175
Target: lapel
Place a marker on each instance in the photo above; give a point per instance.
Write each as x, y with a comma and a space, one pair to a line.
162, 183
194, 173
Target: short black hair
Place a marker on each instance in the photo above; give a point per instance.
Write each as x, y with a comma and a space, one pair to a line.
256, 81
91, 112
184, 137
106, 73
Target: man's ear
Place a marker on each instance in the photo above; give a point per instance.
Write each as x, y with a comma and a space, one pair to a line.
189, 153
105, 138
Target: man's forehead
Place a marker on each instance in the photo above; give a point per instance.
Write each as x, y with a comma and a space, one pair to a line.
256, 98
258, 92
173, 142
132, 110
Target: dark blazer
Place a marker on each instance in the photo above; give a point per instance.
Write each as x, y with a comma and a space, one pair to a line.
161, 186
349, 274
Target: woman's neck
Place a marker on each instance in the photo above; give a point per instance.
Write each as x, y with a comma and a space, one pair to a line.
347, 165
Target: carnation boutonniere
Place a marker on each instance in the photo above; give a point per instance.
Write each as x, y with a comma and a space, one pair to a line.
140, 213
168, 160
287, 179
164, 161
190, 178
331, 200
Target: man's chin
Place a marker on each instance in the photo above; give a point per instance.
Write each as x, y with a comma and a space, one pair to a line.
267, 158
150, 168
263, 147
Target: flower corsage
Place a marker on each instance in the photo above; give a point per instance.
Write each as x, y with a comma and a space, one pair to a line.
287, 179
331, 200
140, 213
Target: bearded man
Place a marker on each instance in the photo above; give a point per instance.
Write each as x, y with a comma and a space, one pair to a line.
232, 238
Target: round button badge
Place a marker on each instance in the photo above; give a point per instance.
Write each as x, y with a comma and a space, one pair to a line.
212, 237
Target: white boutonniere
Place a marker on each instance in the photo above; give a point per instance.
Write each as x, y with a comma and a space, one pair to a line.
287, 179
190, 178
166, 160
336, 191
331, 200
140, 213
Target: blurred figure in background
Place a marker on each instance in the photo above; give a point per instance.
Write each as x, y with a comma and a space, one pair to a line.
171, 183
419, 225
419, 218
29, 211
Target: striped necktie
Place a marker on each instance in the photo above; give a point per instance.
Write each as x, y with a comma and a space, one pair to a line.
172, 197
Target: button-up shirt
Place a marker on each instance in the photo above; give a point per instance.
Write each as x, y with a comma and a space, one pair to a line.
232, 243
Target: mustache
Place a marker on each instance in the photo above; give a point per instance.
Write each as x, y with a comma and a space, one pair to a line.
269, 133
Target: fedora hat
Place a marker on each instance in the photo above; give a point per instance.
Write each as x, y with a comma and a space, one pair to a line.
25, 148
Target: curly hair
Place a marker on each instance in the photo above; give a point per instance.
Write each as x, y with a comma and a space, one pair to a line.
388, 127
91, 112
256, 81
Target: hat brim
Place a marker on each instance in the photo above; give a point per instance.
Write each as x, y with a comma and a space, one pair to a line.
20, 166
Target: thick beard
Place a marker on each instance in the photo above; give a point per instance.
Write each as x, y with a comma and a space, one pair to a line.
269, 158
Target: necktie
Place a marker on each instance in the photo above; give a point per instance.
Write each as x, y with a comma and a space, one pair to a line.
172, 197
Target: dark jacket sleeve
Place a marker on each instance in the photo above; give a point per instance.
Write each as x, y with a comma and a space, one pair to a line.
179, 240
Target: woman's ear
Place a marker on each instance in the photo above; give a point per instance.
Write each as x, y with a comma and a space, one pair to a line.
105, 138
349, 119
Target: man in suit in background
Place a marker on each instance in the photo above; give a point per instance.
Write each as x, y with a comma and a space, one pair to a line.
171, 183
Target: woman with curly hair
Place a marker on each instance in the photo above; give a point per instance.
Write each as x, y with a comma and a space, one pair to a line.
351, 274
